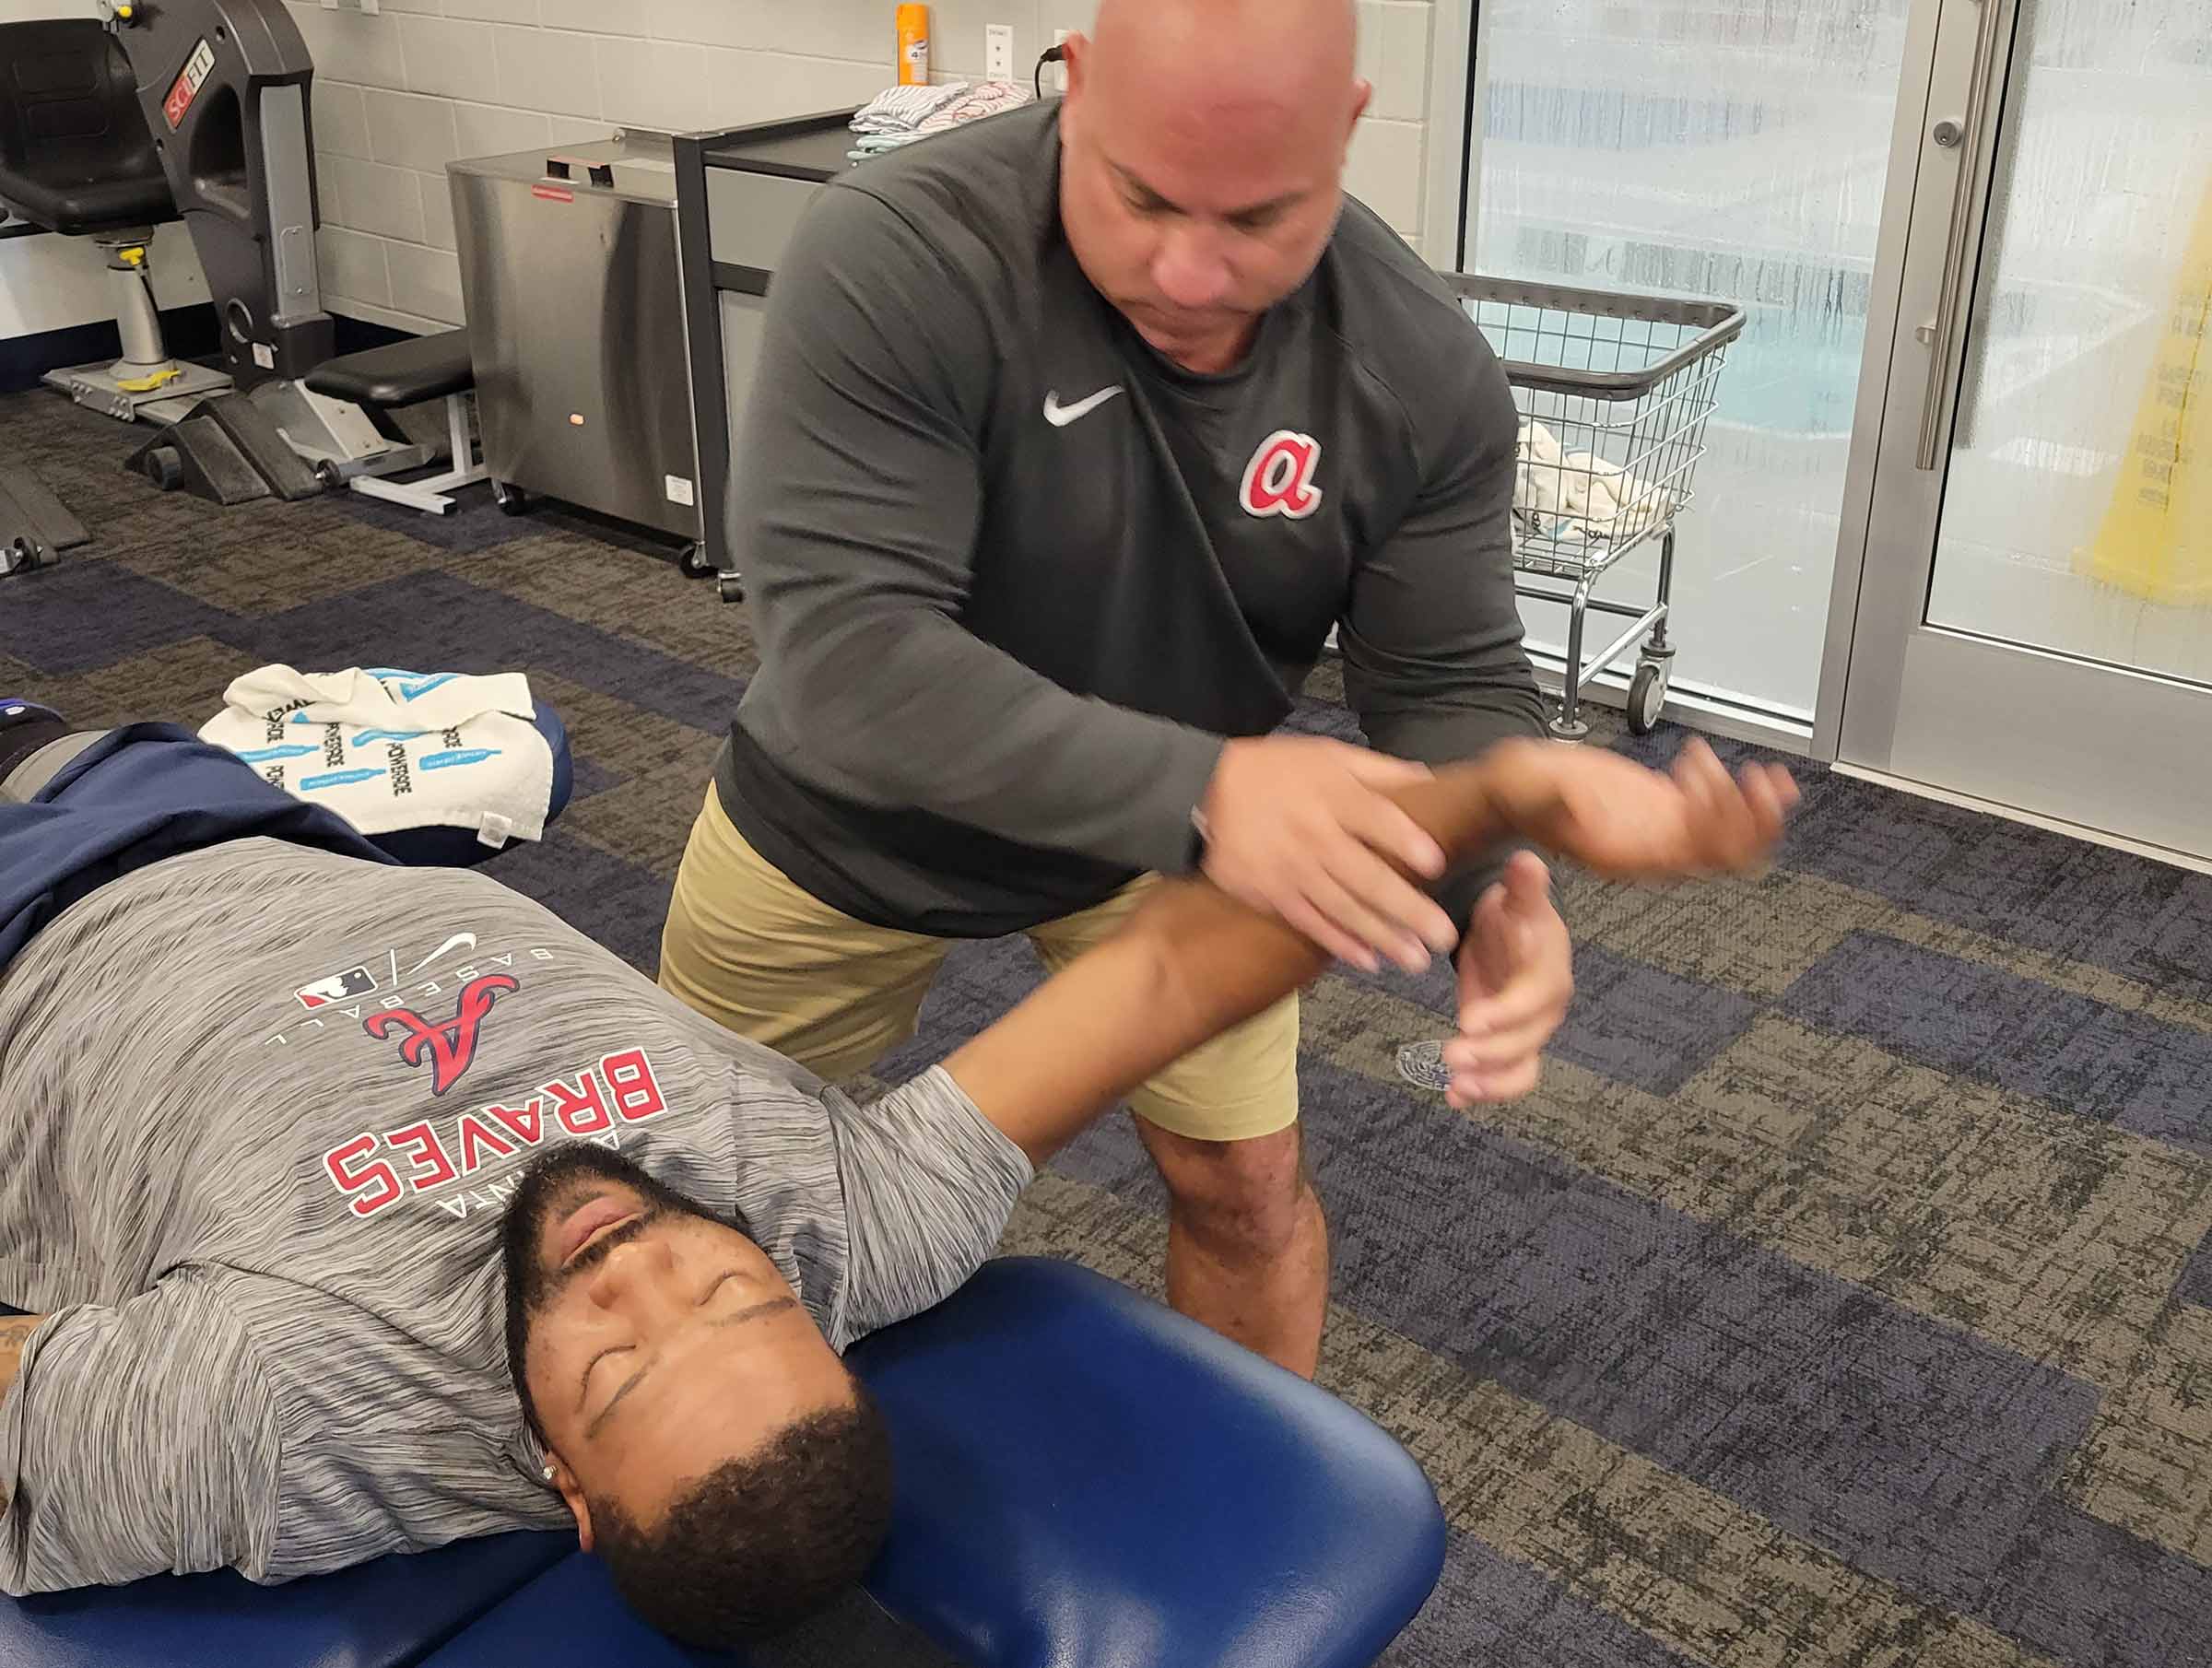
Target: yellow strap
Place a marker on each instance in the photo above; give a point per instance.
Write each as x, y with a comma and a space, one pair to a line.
147, 385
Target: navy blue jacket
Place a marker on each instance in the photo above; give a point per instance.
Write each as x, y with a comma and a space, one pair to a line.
139, 794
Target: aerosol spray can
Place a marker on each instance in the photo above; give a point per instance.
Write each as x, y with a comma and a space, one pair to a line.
913, 45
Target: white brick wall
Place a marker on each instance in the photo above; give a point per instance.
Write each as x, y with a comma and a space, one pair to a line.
400, 93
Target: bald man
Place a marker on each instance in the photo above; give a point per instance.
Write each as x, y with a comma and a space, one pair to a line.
1074, 433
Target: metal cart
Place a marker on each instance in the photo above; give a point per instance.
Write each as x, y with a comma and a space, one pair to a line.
1613, 391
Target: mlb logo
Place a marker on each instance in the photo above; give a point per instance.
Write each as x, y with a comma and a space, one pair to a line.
338, 987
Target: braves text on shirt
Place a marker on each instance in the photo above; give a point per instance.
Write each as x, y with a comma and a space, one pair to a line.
375, 1171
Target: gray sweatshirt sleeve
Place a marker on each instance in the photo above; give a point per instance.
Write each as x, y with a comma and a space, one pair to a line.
861, 494
1433, 664
930, 1183
138, 1440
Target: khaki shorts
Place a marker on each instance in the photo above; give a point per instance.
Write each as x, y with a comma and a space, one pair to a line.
749, 947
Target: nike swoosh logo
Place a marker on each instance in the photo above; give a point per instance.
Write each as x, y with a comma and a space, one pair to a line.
466, 941
1060, 416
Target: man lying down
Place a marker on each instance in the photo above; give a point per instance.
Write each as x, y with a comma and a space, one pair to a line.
359, 1209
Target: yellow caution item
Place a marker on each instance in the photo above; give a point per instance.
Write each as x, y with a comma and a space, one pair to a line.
2156, 542
147, 385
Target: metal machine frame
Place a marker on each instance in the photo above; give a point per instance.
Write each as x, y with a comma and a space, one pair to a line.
706, 280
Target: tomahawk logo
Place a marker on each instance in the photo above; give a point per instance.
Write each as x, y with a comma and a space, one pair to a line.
1279, 479
451, 1045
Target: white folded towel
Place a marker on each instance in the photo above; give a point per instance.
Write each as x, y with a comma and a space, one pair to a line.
387, 749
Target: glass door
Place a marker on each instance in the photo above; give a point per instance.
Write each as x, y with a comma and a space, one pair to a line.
2033, 591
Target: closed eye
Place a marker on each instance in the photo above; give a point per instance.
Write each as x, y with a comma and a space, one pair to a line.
751, 1311
718, 1285
584, 1388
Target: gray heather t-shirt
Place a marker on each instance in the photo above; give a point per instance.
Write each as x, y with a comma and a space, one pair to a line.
266, 1220
1013, 575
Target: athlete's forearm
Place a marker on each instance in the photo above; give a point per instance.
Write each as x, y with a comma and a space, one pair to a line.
15, 1333
1192, 963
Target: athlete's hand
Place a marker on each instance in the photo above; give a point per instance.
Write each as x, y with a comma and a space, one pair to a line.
1301, 827
1623, 821
1516, 977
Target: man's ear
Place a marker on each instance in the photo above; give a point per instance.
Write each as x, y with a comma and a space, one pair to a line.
572, 1492
1075, 59
1363, 93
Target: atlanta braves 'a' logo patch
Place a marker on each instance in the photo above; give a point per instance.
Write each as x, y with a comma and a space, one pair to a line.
452, 1044
1279, 479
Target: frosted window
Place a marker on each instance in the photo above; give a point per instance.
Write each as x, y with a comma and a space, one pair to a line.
1728, 148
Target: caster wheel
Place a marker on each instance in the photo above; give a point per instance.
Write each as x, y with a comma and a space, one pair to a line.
730, 587
327, 472
692, 563
19, 555
1647, 697
165, 467
512, 501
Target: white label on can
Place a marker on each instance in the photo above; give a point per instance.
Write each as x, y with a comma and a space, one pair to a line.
680, 491
262, 357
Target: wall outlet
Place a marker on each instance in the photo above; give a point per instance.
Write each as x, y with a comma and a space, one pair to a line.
998, 53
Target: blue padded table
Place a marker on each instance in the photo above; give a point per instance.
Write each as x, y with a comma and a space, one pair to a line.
1084, 1479
1087, 1478
385, 1614
572, 1614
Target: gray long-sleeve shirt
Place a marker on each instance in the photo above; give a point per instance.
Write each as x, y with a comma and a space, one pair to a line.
1016, 576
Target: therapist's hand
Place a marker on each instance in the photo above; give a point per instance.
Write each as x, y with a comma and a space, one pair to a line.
1302, 827
1516, 977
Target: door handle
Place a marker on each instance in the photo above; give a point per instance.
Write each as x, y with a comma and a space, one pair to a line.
1942, 337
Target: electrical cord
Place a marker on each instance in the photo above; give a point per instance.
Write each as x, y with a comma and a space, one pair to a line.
1053, 55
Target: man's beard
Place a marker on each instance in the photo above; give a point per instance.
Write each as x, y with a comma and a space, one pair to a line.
552, 1184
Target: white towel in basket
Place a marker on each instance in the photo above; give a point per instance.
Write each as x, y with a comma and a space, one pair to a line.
1579, 498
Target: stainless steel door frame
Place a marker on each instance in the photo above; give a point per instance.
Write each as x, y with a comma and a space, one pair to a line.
1888, 545
1885, 346
1904, 500
2001, 721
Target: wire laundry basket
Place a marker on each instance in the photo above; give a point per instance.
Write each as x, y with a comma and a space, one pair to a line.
1614, 391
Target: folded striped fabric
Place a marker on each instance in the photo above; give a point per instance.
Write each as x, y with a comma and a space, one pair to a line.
901, 110
968, 103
